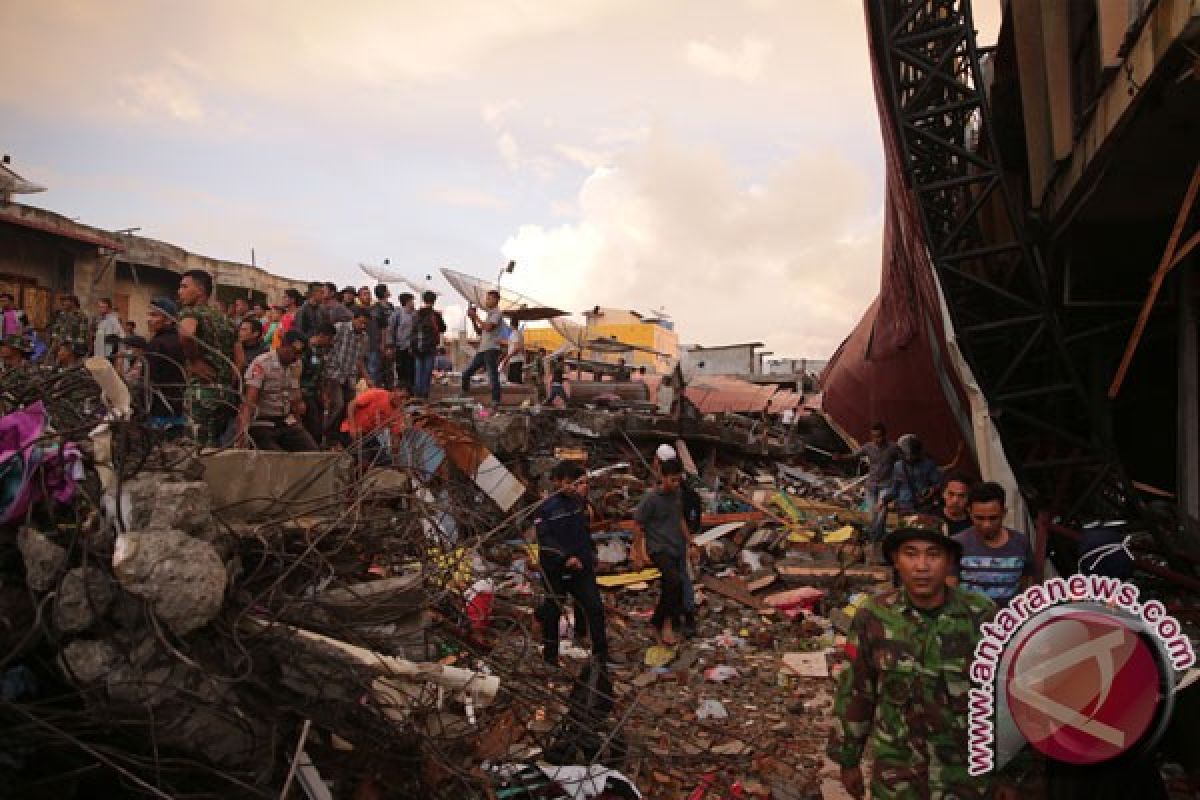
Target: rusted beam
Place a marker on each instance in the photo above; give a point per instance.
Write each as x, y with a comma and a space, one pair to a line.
1168, 261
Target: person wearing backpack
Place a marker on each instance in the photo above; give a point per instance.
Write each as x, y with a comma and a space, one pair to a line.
428, 327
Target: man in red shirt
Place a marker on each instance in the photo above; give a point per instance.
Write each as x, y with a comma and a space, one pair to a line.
375, 419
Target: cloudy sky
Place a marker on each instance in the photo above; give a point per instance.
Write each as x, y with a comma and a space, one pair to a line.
717, 158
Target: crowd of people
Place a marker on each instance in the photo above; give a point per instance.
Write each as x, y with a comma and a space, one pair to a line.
284, 375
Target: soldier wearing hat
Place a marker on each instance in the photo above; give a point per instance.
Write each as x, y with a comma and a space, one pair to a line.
906, 686
70, 329
14, 352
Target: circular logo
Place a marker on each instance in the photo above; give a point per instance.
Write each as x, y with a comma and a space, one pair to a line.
1083, 687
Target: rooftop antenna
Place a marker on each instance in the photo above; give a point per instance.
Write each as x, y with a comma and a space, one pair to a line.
507, 270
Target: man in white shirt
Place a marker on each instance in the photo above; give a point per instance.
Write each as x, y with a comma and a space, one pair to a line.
108, 330
488, 356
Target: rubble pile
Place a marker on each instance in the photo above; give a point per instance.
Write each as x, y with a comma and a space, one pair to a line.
253, 624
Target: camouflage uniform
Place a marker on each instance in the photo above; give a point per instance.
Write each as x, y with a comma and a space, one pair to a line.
312, 376
212, 404
70, 328
906, 688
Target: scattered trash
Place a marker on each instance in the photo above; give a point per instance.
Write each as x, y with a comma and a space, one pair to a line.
711, 709
720, 674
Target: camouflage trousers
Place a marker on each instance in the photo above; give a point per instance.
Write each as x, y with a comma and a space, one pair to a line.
210, 408
897, 780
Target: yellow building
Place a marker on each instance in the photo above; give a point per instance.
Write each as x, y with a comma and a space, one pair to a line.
627, 327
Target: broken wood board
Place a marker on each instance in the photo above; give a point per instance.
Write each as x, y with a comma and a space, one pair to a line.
733, 589
716, 533
707, 520
498, 483
685, 457
827, 571
807, 665
761, 580
627, 578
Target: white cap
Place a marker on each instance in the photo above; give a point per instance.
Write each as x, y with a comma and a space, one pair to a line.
665, 452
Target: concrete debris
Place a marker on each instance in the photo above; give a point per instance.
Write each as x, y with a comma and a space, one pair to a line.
43, 558
183, 578
89, 661
156, 501
84, 595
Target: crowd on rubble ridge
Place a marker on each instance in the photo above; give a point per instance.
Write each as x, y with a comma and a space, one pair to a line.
309, 372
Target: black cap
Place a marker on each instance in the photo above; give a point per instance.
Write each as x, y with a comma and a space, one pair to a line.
901, 535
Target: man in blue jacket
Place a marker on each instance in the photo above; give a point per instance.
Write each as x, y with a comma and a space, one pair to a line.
568, 562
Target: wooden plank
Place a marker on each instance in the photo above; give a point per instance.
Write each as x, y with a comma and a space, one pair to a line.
713, 534
626, 578
685, 457
733, 589
834, 571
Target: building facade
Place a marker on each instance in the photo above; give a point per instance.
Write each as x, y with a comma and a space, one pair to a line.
44, 254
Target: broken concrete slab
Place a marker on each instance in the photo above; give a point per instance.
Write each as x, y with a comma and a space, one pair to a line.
505, 434
43, 558
250, 483
84, 594
182, 577
154, 501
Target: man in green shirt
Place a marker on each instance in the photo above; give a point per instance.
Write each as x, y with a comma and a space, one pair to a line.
207, 337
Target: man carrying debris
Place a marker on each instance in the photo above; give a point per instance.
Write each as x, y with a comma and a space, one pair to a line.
881, 457
273, 404
488, 356
915, 478
906, 685
207, 337
568, 562
662, 539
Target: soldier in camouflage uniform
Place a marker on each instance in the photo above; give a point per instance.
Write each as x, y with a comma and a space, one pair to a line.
207, 336
70, 329
14, 355
906, 686
312, 379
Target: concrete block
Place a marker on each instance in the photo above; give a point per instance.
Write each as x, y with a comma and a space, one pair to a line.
253, 483
43, 559
88, 661
154, 502
183, 578
505, 434
83, 596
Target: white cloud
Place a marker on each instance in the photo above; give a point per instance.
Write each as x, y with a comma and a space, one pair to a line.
467, 197
161, 92
671, 225
746, 64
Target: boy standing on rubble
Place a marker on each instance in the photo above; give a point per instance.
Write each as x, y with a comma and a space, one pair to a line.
568, 562
661, 538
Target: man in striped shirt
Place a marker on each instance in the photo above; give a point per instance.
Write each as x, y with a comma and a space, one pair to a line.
997, 562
